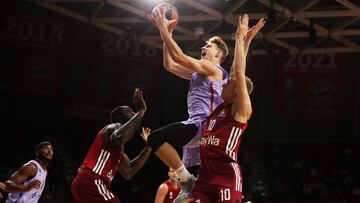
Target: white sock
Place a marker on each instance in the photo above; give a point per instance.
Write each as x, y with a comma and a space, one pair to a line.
182, 173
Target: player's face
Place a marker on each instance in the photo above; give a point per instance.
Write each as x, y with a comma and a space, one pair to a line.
46, 152
172, 175
209, 50
228, 89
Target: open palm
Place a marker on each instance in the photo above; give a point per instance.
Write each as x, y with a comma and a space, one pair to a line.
243, 25
254, 30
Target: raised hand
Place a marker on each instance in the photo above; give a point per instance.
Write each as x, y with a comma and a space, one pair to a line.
33, 184
139, 101
254, 30
159, 19
145, 134
243, 26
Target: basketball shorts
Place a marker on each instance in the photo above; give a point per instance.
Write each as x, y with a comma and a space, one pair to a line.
219, 182
87, 187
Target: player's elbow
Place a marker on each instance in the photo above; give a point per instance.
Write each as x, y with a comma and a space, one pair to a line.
128, 177
131, 171
127, 174
168, 67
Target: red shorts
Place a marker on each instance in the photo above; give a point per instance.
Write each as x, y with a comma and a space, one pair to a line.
87, 187
218, 183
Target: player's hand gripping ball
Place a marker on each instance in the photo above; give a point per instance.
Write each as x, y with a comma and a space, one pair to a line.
170, 15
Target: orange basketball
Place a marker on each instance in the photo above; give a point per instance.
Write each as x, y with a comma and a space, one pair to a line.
171, 14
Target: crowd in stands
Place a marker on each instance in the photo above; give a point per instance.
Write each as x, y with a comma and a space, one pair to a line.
308, 172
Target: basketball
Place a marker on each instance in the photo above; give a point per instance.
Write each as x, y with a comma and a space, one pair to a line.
171, 14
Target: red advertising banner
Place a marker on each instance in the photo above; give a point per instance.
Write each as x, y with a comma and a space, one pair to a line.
311, 84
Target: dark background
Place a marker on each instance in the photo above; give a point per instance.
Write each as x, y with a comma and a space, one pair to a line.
60, 77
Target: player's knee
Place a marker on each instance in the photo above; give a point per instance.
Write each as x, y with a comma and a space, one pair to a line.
155, 140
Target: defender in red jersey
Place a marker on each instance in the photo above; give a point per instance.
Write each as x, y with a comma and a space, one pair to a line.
106, 155
168, 190
219, 175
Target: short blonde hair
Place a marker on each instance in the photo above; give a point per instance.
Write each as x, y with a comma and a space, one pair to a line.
249, 85
222, 46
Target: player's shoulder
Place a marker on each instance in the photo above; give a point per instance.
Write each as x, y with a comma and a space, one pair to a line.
31, 165
110, 128
210, 64
29, 168
164, 187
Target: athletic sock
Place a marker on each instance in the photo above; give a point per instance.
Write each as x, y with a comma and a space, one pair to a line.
182, 173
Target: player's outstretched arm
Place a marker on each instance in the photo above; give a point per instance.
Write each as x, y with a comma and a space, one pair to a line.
127, 131
173, 67
27, 171
169, 64
161, 193
250, 34
200, 66
129, 168
241, 108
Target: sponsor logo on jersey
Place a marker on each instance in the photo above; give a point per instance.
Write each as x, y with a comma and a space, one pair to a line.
211, 140
110, 175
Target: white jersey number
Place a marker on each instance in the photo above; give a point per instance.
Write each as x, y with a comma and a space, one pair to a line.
211, 124
225, 194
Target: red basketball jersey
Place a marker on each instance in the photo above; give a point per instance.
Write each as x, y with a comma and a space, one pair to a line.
221, 136
103, 158
172, 192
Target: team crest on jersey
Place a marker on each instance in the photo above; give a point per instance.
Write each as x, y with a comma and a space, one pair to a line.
222, 114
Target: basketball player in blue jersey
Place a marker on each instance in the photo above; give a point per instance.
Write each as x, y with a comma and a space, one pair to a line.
206, 79
27, 183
